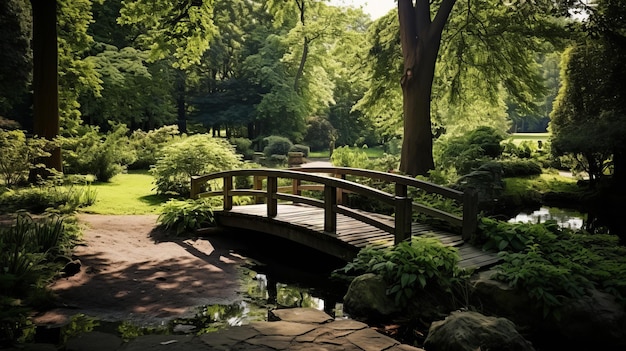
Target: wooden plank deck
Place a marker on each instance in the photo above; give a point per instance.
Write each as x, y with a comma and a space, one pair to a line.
305, 224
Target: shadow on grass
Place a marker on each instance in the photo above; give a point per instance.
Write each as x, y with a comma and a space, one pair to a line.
154, 199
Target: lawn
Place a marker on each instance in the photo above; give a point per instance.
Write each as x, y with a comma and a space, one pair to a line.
129, 193
519, 137
372, 152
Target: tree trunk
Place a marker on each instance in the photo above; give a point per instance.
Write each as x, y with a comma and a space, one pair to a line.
45, 77
420, 38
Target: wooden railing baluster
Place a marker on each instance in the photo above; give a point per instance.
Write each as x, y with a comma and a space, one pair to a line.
330, 214
470, 214
272, 200
403, 220
228, 198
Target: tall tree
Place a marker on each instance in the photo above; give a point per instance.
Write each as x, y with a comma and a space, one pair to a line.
478, 44
45, 76
592, 95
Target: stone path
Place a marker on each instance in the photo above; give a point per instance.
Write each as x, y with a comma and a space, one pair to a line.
293, 329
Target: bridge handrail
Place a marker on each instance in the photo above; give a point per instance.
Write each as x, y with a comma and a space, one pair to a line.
402, 205
388, 177
468, 222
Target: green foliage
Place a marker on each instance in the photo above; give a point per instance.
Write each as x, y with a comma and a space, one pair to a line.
148, 145
469, 151
304, 149
520, 168
186, 216
276, 145
319, 133
103, 155
65, 199
28, 253
194, 155
422, 263
243, 146
19, 154
346, 156
554, 264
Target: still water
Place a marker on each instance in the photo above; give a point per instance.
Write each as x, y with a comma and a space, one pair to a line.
565, 218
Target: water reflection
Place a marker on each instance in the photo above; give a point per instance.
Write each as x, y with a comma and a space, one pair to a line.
565, 218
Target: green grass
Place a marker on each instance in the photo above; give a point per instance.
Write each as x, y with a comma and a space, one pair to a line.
372, 152
519, 137
127, 194
541, 184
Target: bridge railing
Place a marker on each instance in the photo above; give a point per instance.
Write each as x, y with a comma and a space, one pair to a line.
334, 188
401, 228
468, 199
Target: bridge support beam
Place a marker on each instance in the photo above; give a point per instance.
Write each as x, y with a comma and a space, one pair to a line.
470, 214
228, 198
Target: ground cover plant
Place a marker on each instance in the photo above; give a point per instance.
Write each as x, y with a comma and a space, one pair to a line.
554, 264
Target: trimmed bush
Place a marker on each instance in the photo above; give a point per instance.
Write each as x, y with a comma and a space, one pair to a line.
319, 133
520, 168
301, 148
277, 145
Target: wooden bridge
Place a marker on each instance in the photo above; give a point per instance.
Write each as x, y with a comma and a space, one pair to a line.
312, 209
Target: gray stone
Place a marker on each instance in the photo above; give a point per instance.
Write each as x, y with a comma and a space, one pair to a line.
94, 341
594, 320
301, 315
470, 331
500, 299
275, 342
367, 298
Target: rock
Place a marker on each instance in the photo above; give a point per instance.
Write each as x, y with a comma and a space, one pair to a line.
71, 268
300, 315
471, 331
598, 321
500, 299
367, 298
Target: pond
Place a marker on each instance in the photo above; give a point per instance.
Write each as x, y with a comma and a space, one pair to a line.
565, 218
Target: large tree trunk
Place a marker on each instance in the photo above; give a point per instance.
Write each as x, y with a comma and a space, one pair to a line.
45, 77
420, 38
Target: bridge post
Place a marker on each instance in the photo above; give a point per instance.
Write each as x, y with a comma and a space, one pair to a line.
330, 215
195, 187
470, 213
228, 198
295, 187
272, 201
258, 185
403, 219
340, 197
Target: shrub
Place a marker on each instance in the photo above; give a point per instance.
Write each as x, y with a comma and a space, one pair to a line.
243, 146
18, 155
305, 150
520, 168
41, 198
470, 151
319, 133
277, 145
349, 157
409, 267
194, 155
188, 215
94, 153
148, 145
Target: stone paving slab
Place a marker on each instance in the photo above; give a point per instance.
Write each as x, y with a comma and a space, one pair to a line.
295, 329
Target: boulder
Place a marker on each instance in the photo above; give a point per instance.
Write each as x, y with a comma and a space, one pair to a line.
471, 331
367, 298
597, 321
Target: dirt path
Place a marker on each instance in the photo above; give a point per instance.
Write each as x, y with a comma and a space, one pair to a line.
131, 271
